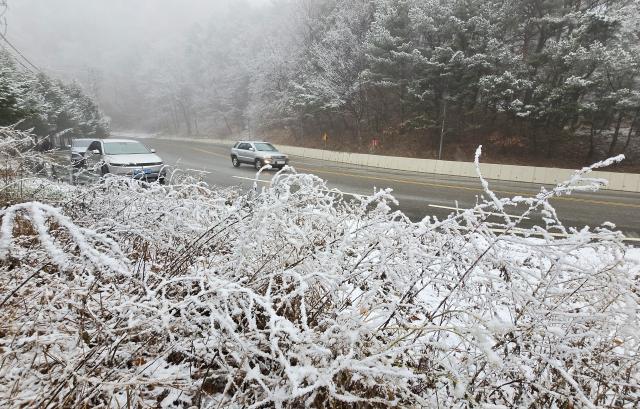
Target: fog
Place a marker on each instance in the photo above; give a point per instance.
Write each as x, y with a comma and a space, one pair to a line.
69, 36
106, 44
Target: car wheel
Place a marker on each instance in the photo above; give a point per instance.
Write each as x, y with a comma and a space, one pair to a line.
259, 164
235, 161
104, 170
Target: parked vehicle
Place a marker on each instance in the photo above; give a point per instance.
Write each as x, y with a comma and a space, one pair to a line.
125, 157
258, 154
78, 149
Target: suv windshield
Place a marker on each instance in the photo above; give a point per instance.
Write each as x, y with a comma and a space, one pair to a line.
124, 148
265, 147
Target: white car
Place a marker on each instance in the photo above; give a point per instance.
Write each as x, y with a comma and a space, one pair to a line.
125, 157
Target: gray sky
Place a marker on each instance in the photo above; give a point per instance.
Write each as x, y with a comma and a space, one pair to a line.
66, 37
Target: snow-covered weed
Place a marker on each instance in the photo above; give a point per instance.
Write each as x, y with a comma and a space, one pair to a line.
125, 295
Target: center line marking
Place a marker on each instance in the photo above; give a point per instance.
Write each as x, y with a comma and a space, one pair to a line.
479, 212
209, 152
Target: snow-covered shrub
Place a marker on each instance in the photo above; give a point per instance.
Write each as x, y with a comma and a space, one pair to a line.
130, 295
23, 166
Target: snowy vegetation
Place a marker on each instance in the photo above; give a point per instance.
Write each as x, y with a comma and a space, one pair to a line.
523, 74
122, 294
47, 107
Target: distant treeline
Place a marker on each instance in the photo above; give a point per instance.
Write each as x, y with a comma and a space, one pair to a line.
533, 73
51, 109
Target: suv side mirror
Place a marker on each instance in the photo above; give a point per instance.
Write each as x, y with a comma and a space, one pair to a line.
95, 152
251, 149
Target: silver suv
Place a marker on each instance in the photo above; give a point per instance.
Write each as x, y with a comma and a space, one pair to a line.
258, 154
125, 157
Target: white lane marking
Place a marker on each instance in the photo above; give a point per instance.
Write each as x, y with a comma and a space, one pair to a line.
268, 181
251, 179
554, 234
479, 212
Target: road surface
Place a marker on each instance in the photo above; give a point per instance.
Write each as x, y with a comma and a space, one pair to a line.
419, 194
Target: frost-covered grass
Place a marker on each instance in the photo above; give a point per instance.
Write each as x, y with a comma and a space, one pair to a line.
123, 295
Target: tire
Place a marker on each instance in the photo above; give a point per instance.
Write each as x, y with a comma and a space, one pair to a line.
235, 161
104, 170
259, 164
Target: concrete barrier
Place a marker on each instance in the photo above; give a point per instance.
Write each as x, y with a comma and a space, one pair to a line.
555, 175
631, 182
522, 173
490, 170
466, 169
615, 180
538, 175
508, 172
379, 161
404, 165
426, 165
360, 159
445, 167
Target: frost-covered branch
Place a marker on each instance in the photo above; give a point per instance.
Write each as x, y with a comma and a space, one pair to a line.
295, 295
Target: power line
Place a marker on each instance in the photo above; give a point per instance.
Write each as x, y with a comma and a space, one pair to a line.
20, 62
20, 54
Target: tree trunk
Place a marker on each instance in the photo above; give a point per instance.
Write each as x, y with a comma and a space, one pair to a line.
174, 118
592, 145
226, 123
631, 128
616, 133
550, 136
185, 115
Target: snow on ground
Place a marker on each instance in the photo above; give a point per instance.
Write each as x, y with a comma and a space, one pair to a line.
122, 294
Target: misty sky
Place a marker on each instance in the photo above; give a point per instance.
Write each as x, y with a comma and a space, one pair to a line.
66, 37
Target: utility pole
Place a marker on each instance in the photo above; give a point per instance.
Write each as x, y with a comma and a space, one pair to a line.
444, 116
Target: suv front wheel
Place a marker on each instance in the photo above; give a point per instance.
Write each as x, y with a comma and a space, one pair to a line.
259, 164
235, 161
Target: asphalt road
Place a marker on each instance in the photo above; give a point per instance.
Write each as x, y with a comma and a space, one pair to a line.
419, 194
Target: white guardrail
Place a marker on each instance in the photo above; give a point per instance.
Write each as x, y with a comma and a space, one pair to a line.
627, 182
